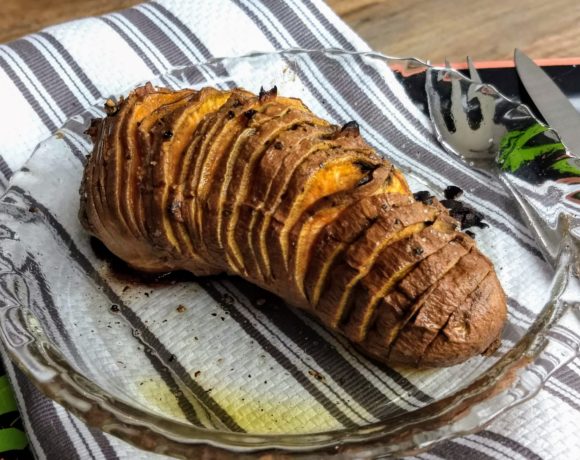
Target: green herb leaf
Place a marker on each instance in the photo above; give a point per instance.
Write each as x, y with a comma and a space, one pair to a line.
12, 439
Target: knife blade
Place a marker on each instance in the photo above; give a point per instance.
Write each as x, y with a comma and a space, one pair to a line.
554, 106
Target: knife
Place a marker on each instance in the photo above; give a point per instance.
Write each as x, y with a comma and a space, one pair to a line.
554, 106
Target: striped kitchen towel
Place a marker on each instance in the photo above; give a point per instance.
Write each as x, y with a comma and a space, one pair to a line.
47, 77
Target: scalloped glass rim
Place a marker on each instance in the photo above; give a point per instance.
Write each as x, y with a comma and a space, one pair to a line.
507, 383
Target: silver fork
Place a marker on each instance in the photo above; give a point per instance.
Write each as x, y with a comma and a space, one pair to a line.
554, 217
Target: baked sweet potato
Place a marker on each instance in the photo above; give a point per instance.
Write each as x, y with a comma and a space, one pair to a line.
257, 186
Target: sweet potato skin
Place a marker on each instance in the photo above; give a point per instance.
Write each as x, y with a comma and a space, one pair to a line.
257, 186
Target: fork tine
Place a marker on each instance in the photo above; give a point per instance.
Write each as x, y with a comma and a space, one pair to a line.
473, 73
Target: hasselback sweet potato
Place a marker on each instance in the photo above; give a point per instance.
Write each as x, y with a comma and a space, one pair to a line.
257, 186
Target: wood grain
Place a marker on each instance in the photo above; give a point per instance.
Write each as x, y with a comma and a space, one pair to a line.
485, 30
430, 29
20, 17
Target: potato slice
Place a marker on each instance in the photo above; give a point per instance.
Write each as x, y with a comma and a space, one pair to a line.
91, 212
211, 191
331, 176
139, 146
338, 235
272, 112
304, 138
358, 260
325, 210
143, 145
121, 204
289, 178
398, 306
392, 265
474, 328
169, 201
438, 305
241, 183
201, 147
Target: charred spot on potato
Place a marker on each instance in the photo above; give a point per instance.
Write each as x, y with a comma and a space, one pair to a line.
423, 196
365, 166
93, 128
465, 214
452, 192
472, 219
350, 128
271, 93
249, 114
454, 206
111, 107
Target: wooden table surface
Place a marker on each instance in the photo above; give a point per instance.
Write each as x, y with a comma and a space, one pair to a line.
430, 29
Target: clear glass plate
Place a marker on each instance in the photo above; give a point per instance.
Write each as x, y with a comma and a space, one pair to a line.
215, 366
